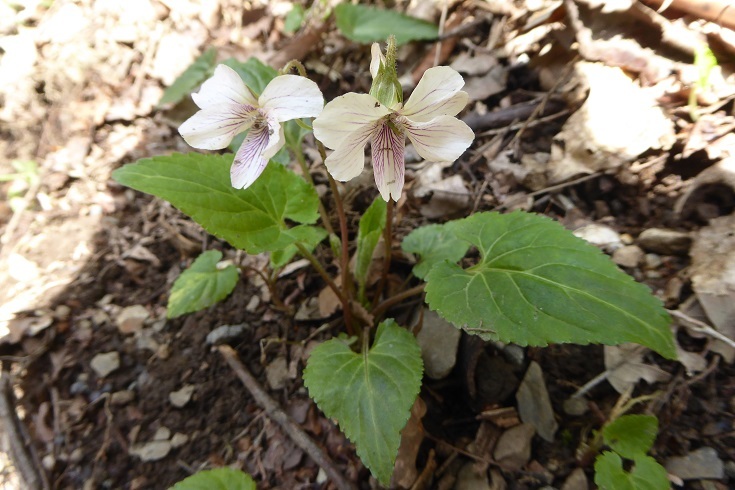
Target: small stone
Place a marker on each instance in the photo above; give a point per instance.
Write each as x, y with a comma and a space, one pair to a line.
701, 464
439, 341
575, 406
276, 373
122, 397
577, 480
225, 333
513, 449
253, 303
62, 312
104, 364
469, 478
48, 462
151, 451
145, 341
181, 397
600, 236
534, 404
665, 242
162, 434
628, 256
179, 440
76, 455
131, 319
653, 261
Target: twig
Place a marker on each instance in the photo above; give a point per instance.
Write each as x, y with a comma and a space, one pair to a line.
344, 256
393, 300
20, 446
701, 327
296, 433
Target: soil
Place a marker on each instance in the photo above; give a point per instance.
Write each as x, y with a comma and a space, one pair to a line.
89, 248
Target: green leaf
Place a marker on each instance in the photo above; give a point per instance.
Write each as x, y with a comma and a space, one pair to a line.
434, 244
647, 474
368, 234
631, 435
252, 219
190, 79
368, 24
369, 394
294, 134
201, 285
537, 283
217, 479
309, 236
294, 19
253, 72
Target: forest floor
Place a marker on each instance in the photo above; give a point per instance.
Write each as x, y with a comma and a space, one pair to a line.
581, 114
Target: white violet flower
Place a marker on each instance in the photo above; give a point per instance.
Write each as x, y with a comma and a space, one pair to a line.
350, 121
228, 107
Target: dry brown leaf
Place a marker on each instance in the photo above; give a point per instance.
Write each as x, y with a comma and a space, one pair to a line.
626, 367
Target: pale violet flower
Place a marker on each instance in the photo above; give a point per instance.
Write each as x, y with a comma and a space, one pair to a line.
350, 121
228, 107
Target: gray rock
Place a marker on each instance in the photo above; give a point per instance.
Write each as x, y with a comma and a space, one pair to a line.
665, 242
513, 449
600, 236
225, 333
276, 373
702, 463
439, 341
105, 363
576, 480
534, 404
151, 451
131, 319
181, 397
628, 256
576, 406
469, 478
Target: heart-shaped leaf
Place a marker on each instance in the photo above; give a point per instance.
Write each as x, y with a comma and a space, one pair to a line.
201, 285
434, 244
252, 219
647, 474
368, 24
631, 435
537, 283
370, 394
217, 479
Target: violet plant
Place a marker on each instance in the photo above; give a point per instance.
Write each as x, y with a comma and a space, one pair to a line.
534, 283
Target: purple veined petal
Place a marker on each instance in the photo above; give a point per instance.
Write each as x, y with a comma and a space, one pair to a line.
213, 128
290, 97
348, 160
224, 87
388, 165
345, 115
442, 139
249, 162
376, 58
437, 94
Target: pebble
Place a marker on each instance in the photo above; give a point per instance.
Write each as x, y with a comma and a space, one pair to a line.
276, 373
513, 449
131, 319
702, 463
628, 256
653, 261
48, 462
665, 242
151, 451
179, 440
469, 478
225, 333
439, 341
600, 236
181, 397
577, 480
534, 404
162, 434
122, 397
575, 406
105, 363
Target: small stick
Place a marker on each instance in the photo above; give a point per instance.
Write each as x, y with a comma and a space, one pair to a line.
296, 433
701, 327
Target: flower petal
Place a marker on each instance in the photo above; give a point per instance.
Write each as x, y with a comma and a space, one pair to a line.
249, 162
214, 127
225, 87
346, 114
290, 97
276, 139
437, 94
376, 59
388, 165
348, 160
442, 139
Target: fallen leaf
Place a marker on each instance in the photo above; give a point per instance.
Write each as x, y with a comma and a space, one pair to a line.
626, 367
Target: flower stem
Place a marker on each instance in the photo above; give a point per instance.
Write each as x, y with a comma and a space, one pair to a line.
388, 242
307, 175
346, 307
294, 64
393, 300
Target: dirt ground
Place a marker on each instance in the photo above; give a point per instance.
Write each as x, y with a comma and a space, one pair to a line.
580, 114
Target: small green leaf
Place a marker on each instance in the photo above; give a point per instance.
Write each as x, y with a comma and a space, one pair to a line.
190, 79
368, 24
252, 219
369, 394
434, 244
201, 285
309, 236
647, 474
254, 73
294, 19
537, 283
631, 435
368, 234
217, 479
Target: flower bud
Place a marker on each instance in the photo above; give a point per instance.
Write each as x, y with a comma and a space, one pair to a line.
385, 87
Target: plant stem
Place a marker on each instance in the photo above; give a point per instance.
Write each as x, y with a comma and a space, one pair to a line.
307, 175
393, 300
346, 307
388, 242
